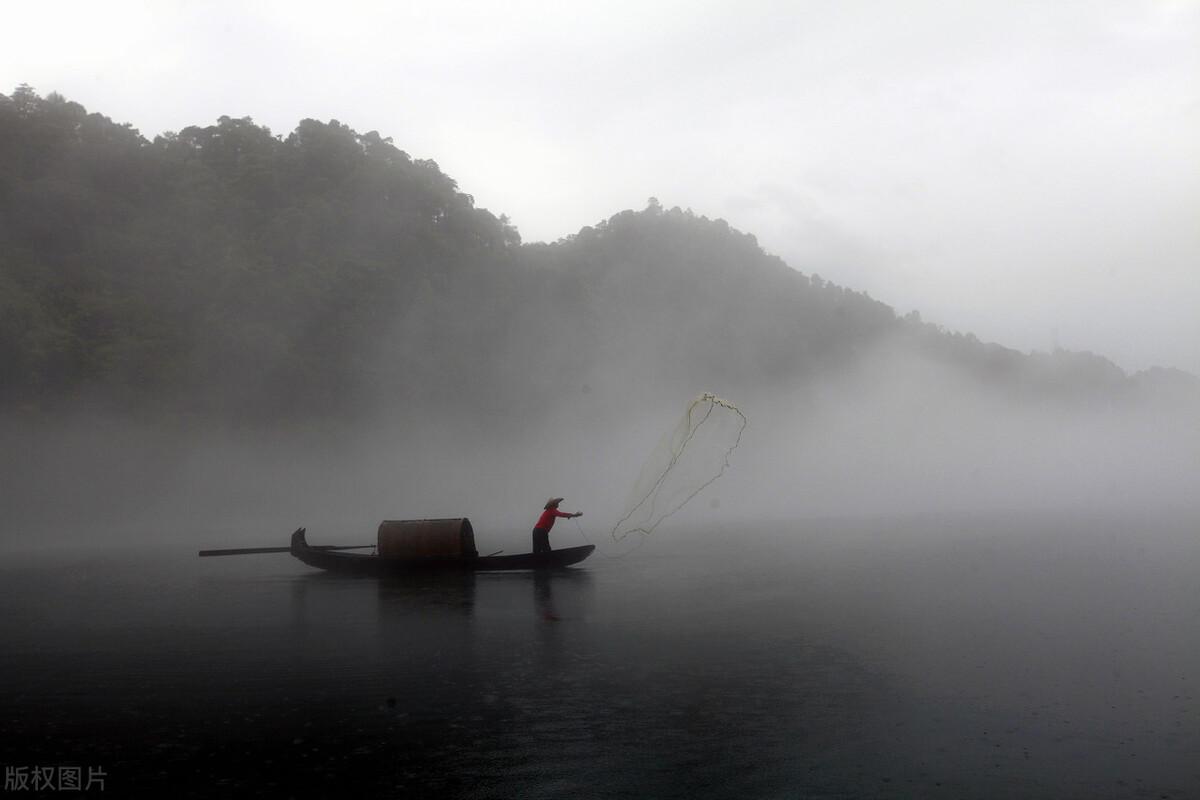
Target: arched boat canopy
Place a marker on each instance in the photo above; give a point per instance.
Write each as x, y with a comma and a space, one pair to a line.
427, 538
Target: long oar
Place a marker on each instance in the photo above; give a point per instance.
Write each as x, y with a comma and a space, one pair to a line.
245, 551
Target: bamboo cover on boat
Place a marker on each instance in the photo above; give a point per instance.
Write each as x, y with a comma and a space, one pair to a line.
427, 538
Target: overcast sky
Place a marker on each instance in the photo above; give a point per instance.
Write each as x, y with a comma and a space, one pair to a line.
1028, 171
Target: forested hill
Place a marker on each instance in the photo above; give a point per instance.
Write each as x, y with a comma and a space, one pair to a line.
225, 273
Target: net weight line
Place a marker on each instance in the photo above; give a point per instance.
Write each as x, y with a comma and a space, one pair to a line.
618, 556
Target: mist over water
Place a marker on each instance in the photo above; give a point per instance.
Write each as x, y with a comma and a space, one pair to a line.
896, 434
907, 584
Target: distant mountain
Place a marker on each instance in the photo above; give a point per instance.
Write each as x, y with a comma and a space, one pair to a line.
225, 273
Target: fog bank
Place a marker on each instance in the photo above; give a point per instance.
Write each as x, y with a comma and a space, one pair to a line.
897, 434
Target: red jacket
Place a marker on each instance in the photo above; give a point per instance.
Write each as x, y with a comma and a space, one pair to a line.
546, 520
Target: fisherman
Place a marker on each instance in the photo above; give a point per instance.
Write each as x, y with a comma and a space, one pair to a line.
541, 531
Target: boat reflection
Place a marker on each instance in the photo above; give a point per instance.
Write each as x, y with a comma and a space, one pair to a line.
320, 599
450, 594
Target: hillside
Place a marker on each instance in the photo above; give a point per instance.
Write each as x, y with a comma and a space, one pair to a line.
226, 274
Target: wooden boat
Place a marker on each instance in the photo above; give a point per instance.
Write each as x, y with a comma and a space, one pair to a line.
465, 559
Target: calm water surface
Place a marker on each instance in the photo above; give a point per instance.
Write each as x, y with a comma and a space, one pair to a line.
980, 657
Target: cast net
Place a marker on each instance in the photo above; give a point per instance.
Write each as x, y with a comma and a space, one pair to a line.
687, 460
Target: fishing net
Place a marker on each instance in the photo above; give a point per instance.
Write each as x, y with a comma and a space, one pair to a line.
689, 458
